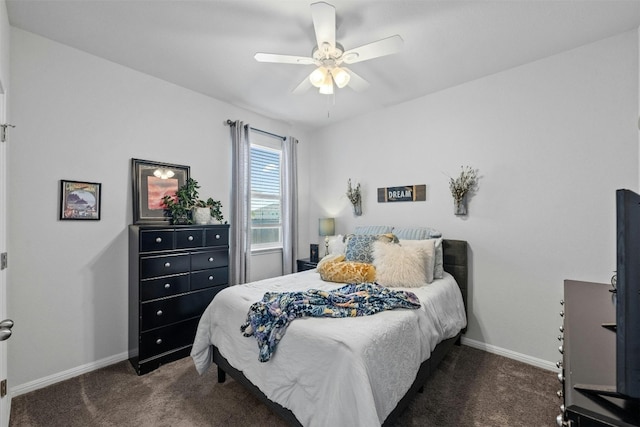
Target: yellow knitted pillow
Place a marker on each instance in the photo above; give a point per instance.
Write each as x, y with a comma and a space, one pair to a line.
335, 269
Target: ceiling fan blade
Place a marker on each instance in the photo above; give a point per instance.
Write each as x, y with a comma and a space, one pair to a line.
283, 59
304, 86
356, 82
376, 49
324, 23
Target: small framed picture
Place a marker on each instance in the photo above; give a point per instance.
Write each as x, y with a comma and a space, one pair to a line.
151, 182
313, 255
79, 200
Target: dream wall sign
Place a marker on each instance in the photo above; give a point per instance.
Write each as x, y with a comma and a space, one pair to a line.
407, 193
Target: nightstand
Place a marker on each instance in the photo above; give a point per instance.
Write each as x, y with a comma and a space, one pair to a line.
306, 264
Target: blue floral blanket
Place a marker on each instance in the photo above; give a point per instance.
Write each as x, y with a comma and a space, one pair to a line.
269, 318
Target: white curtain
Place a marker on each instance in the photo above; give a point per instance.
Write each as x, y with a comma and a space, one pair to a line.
240, 204
289, 205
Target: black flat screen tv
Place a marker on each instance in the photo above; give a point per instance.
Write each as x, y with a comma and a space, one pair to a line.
628, 294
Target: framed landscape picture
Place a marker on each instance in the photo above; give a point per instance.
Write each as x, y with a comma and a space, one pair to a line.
151, 182
79, 200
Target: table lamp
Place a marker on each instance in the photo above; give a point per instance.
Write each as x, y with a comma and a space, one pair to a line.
326, 228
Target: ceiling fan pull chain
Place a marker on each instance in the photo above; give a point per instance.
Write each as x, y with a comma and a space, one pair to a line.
333, 95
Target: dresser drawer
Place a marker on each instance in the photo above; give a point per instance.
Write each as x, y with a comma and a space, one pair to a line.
165, 311
208, 278
164, 265
156, 240
161, 340
209, 259
163, 287
216, 236
189, 238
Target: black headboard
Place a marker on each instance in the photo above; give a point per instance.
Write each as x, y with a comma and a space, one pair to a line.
456, 263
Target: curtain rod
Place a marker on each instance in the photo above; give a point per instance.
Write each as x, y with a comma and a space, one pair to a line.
232, 123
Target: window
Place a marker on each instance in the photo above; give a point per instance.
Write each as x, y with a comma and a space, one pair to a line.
266, 200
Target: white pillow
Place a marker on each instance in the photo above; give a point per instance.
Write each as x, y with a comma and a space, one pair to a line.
337, 246
429, 248
401, 266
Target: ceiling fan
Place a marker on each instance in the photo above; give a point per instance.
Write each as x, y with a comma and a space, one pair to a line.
329, 56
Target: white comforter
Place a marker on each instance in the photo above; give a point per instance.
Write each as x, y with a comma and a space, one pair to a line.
344, 371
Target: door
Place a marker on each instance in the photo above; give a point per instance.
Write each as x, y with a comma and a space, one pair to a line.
5, 400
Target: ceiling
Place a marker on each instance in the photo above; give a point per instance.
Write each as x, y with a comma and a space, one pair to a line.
208, 45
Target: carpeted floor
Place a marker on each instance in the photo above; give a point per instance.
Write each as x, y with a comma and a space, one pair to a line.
471, 388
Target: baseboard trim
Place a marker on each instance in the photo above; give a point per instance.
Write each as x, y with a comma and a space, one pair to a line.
534, 361
65, 375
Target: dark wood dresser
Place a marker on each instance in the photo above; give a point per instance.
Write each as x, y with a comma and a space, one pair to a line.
588, 365
174, 273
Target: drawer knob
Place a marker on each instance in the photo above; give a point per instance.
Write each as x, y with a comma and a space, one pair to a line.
159, 313
562, 314
559, 364
210, 259
217, 236
159, 341
167, 264
158, 239
210, 278
560, 377
190, 238
561, 328
560, 393
167, 285
561, 349
560, 421
560, 337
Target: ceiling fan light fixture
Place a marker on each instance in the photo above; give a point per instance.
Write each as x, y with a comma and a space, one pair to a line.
327, 86
341, 77
318, 76
329, 56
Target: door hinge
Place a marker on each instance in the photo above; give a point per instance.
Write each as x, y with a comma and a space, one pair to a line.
3, 131
4, 261
3, 388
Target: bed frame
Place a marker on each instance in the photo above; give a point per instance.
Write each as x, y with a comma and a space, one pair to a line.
456, 264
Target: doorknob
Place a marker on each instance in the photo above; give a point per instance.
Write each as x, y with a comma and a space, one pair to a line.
6, 324
5, 329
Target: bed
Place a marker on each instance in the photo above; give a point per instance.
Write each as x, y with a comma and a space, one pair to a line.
338, 371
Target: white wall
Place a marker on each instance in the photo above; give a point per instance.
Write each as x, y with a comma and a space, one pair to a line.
552, 140
80, 117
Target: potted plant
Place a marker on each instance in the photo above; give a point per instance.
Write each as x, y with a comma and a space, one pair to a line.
183, 201
183, 205
210, 209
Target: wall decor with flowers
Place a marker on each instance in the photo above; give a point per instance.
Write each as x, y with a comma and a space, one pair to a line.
462, 187
354, 196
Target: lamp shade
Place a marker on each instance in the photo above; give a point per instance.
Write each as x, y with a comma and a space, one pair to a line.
326, 226
318, 76
340, 77
327, 86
